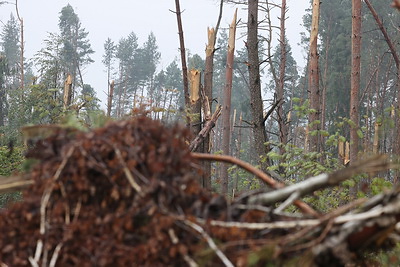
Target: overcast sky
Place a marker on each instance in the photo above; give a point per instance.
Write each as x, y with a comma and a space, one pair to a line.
117, 18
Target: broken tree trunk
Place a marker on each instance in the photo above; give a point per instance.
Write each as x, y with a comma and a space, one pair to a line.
226, 131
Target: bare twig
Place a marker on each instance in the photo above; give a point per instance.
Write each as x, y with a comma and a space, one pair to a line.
127, 172
54, 258
210, 242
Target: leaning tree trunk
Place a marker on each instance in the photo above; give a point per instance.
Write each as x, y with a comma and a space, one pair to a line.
314, 91
256, 103
355, 77
226, 112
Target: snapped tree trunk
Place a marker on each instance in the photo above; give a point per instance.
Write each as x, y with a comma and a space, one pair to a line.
256, 103
313, 82
208, 88
195, 103
67, 92
355, 77
226, 112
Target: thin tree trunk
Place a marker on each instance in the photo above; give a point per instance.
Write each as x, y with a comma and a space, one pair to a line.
110, 98
183, 55
355, 78
256, 103
283, 127
208, 88
314, 117
226, 112
21, 21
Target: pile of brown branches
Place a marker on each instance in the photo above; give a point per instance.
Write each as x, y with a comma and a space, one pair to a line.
127, 195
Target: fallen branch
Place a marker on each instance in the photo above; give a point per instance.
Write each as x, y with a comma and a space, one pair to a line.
206, 129
258, 173
373, 164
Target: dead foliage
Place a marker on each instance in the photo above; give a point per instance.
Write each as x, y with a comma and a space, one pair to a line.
127, 195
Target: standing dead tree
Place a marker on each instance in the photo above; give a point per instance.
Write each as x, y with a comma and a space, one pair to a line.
208, 89
226, 132
183, 54
355, 77
314, 91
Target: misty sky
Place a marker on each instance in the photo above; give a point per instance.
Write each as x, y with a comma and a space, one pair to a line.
117, 18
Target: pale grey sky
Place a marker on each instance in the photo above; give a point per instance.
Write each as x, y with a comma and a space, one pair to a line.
117, 18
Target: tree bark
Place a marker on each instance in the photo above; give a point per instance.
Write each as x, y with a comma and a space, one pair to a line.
183, 55
208, 88
256, 103
314, 91
226, 112
283, 127
355, 77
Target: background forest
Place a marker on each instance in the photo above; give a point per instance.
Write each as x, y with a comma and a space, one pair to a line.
300, 135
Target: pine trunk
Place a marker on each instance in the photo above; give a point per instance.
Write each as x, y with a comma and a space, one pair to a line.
314, 91
226, 112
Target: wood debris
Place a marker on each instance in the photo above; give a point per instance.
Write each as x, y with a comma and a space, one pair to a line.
127, 195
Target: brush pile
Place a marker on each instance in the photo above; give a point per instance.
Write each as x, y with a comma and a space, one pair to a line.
127, 195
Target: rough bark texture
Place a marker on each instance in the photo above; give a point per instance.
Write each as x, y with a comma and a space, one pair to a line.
283, 127
256, 103
314, 91
226, 112
355, 77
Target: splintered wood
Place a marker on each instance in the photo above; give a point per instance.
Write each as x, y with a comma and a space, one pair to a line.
127, 195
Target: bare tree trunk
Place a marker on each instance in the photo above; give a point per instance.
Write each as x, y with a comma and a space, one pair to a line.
110, 98
314, 95
67, 92
226, 112
195, 103
256, 103
238, 148
21, 21
355, 78
283, 127
208, 88
325, 82
183, 55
